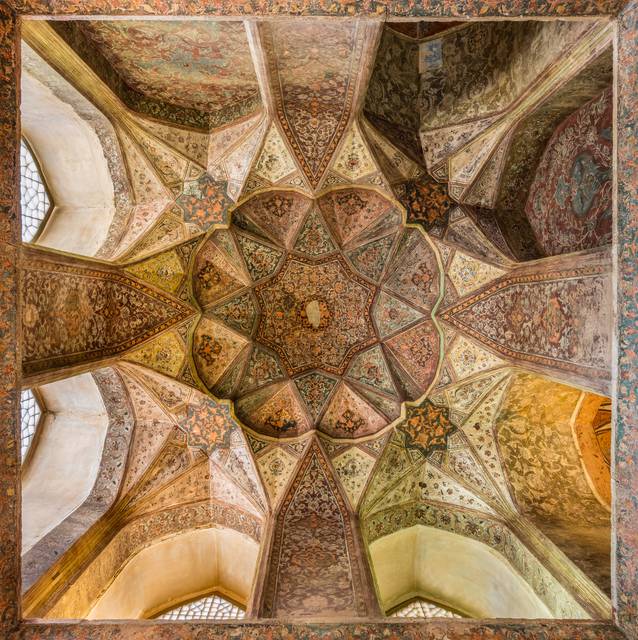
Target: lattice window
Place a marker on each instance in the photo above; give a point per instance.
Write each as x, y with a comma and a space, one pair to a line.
209, 608
31, 412
423, 609
34, 198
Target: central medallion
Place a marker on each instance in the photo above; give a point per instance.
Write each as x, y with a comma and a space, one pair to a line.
317, 313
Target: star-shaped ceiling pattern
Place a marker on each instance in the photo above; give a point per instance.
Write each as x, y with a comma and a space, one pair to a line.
317, 313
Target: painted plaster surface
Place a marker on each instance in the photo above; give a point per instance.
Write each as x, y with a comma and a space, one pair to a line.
626, 389
103, 491
152, 56
317, 313
77, 310
412, 8
549, 303
206, 459
10, 384
544, 470
572, 186
315, 570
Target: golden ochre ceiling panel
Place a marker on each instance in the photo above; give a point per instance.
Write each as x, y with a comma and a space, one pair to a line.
550, 485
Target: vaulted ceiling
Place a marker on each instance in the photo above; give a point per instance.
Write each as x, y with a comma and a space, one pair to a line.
355, 279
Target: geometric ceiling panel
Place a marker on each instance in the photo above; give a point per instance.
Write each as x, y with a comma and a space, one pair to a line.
352, 213
238, 313
468, 274
308, 315
467, 358
479, 429
274, 215
370, 258
353, 468
311, 86
165, 354
314, 569
349, 415
218, 273
215, 349
80, 311
391, 314
261, 259
164, 271
276, 466
414, 274
370, 368
314, 238
313, 303
315, 388
354, 160
196, 65
554, 314
275, 160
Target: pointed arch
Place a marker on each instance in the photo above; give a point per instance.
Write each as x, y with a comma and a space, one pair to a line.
316, 568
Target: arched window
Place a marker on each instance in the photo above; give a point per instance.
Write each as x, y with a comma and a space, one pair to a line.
209, 608
420, 608
34, 198
30, 413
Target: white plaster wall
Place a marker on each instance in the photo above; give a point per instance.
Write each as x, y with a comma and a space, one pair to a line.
64, 466
453, 570
180, 568
76, 171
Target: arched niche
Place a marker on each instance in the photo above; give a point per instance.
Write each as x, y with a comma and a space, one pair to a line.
178, 569
63, 467
459, 573
591, 424
72, 159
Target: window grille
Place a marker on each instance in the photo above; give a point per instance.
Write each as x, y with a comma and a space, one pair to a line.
208, 608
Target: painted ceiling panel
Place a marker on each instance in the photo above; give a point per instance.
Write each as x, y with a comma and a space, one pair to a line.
204, 65
317, 333
535, 436
308, 314
314, 85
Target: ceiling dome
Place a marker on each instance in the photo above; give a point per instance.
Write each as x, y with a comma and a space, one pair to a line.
317, 313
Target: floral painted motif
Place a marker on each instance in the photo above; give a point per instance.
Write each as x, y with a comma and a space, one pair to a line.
315, 388
306, 281
313, 86
202, 65
427, 428
204, 202
427, 203
569, 203
550, 317
314, 238
314, 542
208, 425
335, 296
209, 349
73, 312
